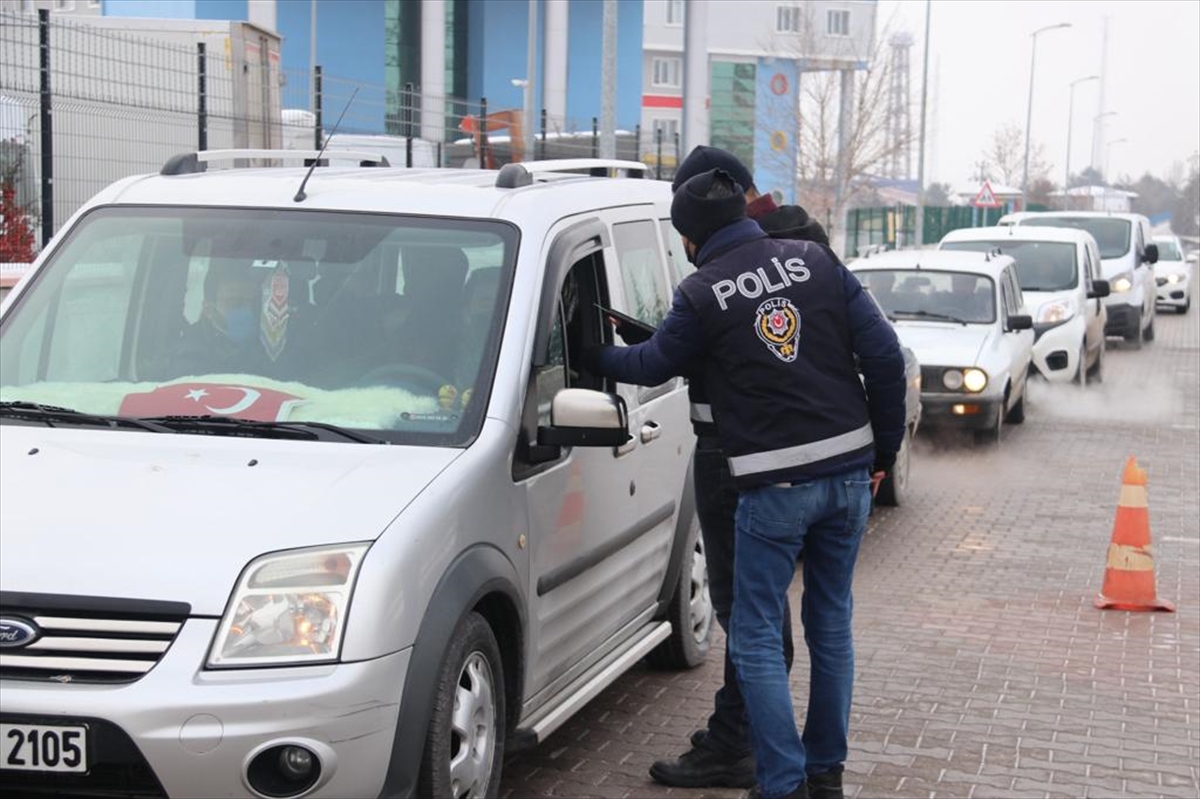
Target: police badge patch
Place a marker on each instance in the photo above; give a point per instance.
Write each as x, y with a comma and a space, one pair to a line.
778, 325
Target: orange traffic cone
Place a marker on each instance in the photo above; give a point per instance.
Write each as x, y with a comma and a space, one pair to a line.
1129, 578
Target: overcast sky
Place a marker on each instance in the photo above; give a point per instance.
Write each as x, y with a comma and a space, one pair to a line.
980, 52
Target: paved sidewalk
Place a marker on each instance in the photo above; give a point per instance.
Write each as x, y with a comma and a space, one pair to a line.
983, 668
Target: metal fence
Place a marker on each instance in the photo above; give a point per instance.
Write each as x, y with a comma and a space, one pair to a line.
87, 101
894, 227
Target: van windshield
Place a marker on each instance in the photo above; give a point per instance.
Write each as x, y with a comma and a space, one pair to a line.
366, 321
1110, 233
1041, 265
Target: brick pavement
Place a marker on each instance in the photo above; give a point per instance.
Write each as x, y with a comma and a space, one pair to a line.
983, 668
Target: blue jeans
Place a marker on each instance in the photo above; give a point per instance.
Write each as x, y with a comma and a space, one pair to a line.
826, 516
716, 506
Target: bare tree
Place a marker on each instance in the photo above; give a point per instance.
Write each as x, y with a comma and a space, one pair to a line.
1004, 158
829, 179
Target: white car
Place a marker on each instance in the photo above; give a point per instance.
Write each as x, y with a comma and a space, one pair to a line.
963, 316
305, 491
1057, 269
1127, 258
1173, 274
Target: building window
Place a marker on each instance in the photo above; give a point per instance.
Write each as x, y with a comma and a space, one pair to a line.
787, 19
64, 5
669, 128
28, 7
674, 12
837, 23
666, 71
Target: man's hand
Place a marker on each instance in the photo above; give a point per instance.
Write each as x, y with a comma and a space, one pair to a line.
884, 461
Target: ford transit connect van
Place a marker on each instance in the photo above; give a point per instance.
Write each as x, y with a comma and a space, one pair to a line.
306, 493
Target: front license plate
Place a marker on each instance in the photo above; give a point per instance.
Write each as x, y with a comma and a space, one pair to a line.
33, 747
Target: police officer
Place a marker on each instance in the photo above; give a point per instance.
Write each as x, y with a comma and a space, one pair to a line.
773, 327
719, 755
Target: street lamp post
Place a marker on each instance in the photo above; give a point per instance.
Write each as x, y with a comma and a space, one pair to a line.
1070, 119
1096, 128
1029, 110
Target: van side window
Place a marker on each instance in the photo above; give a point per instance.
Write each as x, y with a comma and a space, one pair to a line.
681, 267
642, 273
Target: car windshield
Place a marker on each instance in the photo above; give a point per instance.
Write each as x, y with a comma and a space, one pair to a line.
1168, 250
933, 295
1110, 233
1041, 265
367, 321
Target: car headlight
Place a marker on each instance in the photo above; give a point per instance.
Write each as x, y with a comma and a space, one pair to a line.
1174, 277
952, 379
974, 380
1122, 282
1055, 312
289, 608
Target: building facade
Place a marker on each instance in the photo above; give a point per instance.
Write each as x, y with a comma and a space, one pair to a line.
451, 53
756, 53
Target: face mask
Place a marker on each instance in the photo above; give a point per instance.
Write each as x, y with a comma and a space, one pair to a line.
239, 324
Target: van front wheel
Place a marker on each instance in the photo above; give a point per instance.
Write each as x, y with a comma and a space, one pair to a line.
464, 749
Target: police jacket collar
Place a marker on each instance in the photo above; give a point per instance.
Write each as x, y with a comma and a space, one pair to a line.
727, 238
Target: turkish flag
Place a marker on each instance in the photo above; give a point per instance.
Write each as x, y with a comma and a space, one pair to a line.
210, 399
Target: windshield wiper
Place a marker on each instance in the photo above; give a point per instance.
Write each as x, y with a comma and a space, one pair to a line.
931, 315
49, 414
229, 425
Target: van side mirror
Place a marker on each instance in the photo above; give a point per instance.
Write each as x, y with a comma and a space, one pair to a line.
1151, 256
1022, 321
1100, 288
581, 417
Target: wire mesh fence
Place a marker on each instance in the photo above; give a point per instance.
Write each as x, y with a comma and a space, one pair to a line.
88, 101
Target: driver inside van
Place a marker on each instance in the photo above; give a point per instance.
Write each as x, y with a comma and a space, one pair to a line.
225, 339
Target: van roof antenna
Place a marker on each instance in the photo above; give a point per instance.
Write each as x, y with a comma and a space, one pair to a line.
300, 195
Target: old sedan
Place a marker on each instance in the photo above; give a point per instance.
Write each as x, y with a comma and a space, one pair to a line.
963, 316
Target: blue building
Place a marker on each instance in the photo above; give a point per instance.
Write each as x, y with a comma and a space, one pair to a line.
447, 50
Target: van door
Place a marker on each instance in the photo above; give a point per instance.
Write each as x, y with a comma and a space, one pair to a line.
600, 529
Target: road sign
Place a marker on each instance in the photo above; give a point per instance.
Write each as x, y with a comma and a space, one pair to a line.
986, 198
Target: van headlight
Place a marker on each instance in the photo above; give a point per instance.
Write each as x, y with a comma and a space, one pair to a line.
1055, 312
1122, 282
289, 608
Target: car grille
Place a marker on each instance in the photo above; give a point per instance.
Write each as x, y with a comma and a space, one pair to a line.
88, 639
931, 378
117, 767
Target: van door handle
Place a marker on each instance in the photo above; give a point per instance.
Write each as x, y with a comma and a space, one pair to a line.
650, 431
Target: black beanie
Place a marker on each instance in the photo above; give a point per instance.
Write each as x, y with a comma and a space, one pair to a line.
703, 159
697, 216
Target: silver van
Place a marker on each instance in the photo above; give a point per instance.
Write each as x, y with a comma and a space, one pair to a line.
305, 491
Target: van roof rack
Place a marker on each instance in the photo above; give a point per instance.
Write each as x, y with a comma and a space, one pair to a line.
191, 163
521, 173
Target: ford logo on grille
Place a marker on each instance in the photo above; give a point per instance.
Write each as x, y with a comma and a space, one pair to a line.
17, 632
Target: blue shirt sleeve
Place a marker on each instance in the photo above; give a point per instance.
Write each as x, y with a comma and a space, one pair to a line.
672, 350
881, 363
